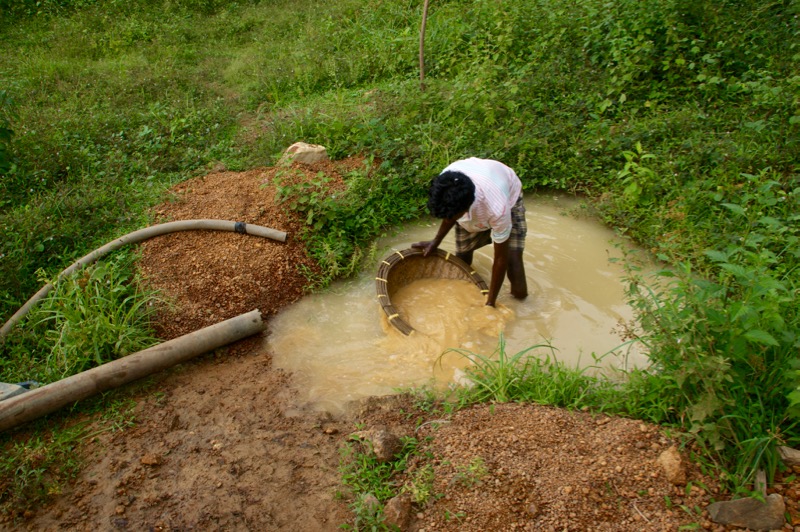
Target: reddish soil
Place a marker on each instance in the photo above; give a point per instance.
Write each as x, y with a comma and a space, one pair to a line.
219, 443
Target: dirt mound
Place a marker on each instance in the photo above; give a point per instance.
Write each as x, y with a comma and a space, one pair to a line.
219, 444
212, 276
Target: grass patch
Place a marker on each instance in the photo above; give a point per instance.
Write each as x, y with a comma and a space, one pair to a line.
371, 483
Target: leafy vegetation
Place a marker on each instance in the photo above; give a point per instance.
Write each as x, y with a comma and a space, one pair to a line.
679, 119
338, 224
89, 319
499, 377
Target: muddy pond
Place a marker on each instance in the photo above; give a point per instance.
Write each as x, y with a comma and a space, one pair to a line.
339, 346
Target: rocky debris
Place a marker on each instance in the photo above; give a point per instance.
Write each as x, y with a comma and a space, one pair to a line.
383, 443
212, 276
750, 512
672, 464
531, 467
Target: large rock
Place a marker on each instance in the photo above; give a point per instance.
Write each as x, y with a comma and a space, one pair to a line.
750, 513
301, 152
790, 457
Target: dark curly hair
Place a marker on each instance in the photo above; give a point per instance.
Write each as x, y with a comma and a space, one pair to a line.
451, 194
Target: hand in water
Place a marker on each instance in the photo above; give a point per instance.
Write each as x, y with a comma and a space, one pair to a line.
426, 247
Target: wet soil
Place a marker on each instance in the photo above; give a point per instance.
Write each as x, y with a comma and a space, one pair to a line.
220, 444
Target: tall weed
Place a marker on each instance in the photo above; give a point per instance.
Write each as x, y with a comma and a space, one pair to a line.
524, 376
98, 314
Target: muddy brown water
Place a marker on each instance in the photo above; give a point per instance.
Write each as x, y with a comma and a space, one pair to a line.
339, 347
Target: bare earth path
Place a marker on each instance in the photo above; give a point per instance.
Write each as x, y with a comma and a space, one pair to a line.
219, 444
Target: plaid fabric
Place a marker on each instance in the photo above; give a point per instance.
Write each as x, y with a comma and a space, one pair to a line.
466, 241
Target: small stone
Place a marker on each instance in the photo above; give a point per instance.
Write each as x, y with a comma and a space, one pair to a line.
371, 503
790, 457
761, 482
119, 510
385, 445
302, 152
672, 464
397, 511
150, 459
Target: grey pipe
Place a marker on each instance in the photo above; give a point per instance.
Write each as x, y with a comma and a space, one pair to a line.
41, 401
138, 236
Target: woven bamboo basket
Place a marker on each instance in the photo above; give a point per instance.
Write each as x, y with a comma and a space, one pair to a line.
405, 266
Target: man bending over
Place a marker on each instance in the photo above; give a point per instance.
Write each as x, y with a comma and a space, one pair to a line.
482, 198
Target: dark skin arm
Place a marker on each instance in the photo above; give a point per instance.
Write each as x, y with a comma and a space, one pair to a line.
431, 245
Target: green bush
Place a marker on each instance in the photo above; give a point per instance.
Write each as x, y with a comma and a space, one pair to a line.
340, 225
723, 332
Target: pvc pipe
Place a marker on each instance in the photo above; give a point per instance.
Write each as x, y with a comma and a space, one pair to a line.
138, 236
49, 398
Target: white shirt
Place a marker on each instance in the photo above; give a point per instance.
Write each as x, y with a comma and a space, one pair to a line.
497, 189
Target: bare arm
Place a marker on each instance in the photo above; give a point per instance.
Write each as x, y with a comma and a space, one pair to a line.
431, 245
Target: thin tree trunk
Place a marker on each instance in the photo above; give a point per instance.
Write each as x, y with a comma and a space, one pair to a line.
422, 46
